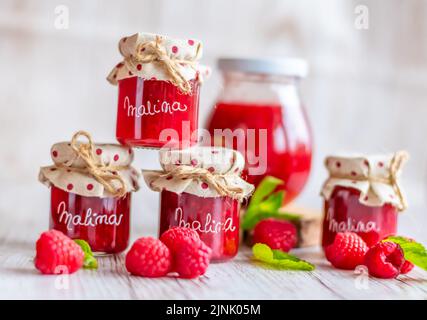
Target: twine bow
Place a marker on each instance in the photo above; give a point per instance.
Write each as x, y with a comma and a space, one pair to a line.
154, 51
102, 173
396, 164
216, 181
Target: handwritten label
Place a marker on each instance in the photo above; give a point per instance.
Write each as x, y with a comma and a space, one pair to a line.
151, 109
91, 218
208, 226
350, 225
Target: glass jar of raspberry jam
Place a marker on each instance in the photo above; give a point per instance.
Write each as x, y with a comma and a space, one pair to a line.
201, 189
362, 195
261, 105
158, 82
87, 203
103, 222
216, 220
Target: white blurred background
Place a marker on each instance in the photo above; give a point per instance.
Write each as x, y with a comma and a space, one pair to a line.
366, 90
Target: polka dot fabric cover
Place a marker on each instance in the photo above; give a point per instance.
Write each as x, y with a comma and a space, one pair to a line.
372, 193
214, 159
178, 48
62, 175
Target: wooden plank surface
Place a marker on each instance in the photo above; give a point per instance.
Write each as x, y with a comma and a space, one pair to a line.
239, 279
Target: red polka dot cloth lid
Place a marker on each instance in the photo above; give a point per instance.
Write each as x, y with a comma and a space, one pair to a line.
138, 56
203, 171
376, 177
68, 172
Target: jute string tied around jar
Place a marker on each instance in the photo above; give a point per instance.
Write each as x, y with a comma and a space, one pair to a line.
397, 162
216, 181
155, 52
104, 174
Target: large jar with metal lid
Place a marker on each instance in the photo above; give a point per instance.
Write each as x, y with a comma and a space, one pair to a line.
260, 113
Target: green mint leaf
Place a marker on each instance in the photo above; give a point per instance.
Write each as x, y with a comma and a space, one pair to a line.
266, 209
84, 245
264, 203
398, 239
265, 188
250, 223
90, 261
280, 259
413, 251
272, 203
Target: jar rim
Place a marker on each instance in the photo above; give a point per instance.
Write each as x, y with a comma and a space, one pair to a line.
293, 67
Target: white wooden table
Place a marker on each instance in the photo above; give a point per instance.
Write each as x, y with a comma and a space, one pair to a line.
239, 279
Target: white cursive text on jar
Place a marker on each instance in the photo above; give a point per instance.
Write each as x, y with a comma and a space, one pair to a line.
91, 219
209, 226
151, 109
350, 225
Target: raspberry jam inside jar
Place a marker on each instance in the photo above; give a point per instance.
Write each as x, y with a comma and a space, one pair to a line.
261, 105
216, 220
344, 212
147, 107
362, 195
158, 81
91, 186
201, 188
288, 156
103, 222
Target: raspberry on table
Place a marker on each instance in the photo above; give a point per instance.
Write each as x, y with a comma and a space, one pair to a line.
407, 267
175, 234
385, 260
191, 258
277, 234
371, 238
57, 254
149, 257
347, 251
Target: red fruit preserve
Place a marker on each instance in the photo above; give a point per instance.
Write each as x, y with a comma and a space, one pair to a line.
201, 188
158, 79
91, 186
103, 222
362, 195
148, 107
344, 212
260, 114
287, 151
216, 220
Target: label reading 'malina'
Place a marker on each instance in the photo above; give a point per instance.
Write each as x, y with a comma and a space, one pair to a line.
88, 218
153, 108
207, 226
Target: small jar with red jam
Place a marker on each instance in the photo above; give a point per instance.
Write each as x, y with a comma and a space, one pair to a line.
201, 188
362, 195
159, 83
91, 186
260, 112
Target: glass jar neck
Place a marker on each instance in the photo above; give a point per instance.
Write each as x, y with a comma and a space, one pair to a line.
260, 79
250, 88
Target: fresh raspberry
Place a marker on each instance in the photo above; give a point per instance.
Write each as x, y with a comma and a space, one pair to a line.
57, 254
149, 257
385, 260
277, 234
407, 267
174, 235
347, 251
191, 258
371, 238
